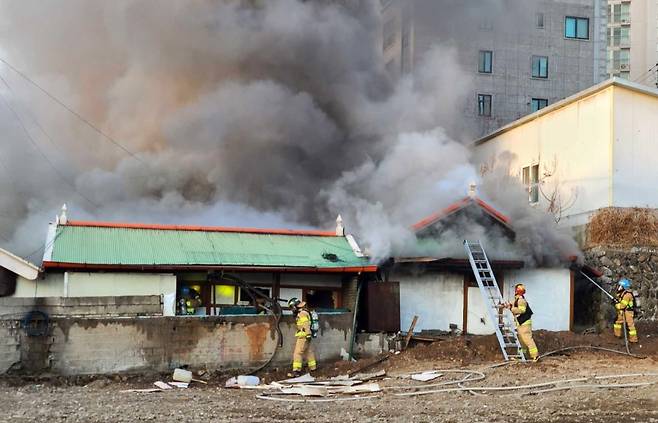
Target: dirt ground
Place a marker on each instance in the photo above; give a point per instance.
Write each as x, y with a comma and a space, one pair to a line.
101, 400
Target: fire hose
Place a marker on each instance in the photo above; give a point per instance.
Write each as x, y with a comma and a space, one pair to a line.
271, 305
628, 351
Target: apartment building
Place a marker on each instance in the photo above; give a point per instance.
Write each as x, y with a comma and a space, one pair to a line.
632, 37
520, 55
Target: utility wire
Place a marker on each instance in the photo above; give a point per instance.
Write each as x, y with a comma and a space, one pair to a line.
645, 78
646, 74
38, 149
73, 112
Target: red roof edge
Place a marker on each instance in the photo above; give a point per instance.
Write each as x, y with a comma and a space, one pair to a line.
288, 269
82, 223
433, 218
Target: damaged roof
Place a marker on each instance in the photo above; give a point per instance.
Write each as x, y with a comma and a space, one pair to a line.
461, 205
101, 245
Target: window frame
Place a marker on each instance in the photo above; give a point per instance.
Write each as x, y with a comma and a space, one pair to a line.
481, 104
530, 179
538, 101
539, 67
539, 20
482, 62
577, 20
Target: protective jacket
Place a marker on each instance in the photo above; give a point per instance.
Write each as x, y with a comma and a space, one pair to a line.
521, 310
303, 323
625, 301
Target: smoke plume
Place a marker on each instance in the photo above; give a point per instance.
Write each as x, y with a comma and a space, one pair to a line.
273, 113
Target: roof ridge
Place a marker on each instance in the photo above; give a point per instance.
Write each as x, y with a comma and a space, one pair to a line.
199, 228
456, 206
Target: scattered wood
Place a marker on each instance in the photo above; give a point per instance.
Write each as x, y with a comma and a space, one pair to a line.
426, 376
307, 378
364, 377
369, 365
163, 385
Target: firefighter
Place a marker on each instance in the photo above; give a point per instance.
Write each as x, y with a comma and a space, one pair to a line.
522, 314
189, 300
625, 305
303, 348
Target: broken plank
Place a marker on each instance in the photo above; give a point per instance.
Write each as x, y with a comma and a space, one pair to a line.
410, 332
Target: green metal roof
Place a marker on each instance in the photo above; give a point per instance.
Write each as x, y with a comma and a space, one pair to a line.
89, 245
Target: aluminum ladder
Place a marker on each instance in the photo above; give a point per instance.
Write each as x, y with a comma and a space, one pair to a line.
502, 318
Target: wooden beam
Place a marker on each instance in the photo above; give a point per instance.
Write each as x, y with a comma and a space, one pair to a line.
410, 333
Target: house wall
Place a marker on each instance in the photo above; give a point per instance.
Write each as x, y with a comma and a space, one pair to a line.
99, 284
548, 293
575, 141
635, 140
77, 346
436, 298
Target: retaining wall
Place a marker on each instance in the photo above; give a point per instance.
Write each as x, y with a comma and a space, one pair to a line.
83, 345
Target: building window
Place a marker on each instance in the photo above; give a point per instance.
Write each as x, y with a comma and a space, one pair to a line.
540, 20
576, 28
620, 13
486, 24
539, 67
538, 103
484, 104
485, 63
621, 60
531, 182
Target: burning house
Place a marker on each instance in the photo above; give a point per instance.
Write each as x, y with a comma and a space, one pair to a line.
441, 289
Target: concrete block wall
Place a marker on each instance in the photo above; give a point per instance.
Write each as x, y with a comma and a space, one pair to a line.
76, 345
120, 306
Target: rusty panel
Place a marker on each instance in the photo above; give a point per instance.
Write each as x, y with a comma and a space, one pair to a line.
381, 306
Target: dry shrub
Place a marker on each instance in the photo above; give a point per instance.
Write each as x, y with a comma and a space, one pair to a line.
624, 227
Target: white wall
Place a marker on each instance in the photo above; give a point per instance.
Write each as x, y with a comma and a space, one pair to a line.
81, 284
51, 285
437, 300
548, 293
476, 313
635, 141
577, 138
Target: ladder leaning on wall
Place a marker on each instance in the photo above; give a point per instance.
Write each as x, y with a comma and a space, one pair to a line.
501, 318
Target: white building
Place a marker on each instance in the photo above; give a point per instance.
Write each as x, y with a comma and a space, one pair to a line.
442, 291
592, 150
632, 34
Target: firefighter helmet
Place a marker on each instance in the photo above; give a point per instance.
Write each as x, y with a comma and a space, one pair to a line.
624, 283
295, 303
519, 289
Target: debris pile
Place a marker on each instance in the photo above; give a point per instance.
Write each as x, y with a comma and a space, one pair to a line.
336, 388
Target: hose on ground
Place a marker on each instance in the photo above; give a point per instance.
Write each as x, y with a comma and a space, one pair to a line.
543, 384
590, 347
272, 398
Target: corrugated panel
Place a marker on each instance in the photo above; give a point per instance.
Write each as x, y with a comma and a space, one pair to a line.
129, 246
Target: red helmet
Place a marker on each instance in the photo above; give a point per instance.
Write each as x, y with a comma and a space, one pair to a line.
519, 289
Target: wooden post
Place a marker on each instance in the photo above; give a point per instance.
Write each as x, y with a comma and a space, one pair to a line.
410, 332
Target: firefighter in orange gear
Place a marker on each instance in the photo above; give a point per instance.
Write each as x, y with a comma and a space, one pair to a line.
625, 305
522, 314
303, 348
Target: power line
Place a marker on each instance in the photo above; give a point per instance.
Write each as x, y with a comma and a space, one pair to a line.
73, 112
644, 75
41, 153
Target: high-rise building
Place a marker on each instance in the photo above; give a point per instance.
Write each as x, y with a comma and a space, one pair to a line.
632, 38
521, 55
